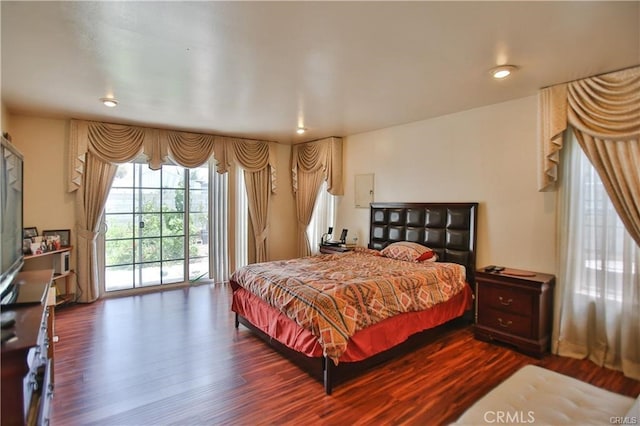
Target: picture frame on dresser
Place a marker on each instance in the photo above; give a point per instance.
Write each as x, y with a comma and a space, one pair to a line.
64, 234
30, 232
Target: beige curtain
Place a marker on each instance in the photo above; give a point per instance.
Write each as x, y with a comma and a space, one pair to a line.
596, 305
258, 163
258, 197
90, 201
313, 163
605, 113
597, 297
96, 148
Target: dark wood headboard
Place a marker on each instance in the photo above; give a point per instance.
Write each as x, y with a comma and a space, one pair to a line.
447, 228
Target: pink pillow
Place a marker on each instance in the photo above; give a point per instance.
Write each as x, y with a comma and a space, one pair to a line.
408, 251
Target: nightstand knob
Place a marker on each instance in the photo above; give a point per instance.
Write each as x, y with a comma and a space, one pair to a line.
504, 324
507, 303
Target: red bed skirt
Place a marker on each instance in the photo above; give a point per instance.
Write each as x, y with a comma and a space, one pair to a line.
362, 345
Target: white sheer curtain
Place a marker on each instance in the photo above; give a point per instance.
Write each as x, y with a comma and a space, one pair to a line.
218, 224
242, 221
324, 216
598, 306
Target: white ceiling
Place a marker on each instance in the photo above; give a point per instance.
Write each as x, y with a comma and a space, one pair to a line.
260, 69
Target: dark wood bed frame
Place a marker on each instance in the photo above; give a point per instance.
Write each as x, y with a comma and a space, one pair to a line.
448, 228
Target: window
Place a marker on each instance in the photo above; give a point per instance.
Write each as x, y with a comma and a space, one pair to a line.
602, 256
161, 224
597, 289
323, 217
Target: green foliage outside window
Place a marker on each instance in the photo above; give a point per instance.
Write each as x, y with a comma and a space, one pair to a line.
150, 225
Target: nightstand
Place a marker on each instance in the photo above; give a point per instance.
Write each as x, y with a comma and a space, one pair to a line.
325, 249
515, 309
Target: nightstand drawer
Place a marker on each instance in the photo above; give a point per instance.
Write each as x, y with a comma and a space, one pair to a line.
515, 307
505, 322
505, 299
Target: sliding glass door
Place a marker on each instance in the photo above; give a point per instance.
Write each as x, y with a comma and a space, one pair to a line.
157, 229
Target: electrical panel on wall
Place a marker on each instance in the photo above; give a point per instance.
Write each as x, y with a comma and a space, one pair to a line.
364, 190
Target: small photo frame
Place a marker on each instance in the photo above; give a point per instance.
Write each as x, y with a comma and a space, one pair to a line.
29, 232
63, 234
26, 246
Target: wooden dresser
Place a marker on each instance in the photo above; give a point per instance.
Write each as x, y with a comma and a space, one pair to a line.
27, 358
516, 310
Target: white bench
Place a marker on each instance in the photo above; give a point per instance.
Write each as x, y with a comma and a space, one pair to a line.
534, 395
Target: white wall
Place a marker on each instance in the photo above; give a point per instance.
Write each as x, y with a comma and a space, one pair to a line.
486, 155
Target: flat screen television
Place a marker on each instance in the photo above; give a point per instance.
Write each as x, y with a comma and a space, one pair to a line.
11, 186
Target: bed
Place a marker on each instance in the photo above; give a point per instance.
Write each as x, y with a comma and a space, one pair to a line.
536, 395
337, 314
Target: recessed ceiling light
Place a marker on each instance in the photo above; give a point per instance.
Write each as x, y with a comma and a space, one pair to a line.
503, 71
109, 102
301, 130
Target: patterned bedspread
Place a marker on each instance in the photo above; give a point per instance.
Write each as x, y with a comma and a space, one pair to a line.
334, 296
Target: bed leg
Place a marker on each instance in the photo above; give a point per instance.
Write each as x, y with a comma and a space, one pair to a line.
237, 322
328, 379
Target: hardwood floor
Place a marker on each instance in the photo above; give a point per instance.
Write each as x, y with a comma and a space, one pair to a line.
175, 357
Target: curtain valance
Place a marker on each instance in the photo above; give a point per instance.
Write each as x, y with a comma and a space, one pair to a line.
325, 155
251, 156
604, 112
117, 144
188, 149
97, 148
604, 107
312, 163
